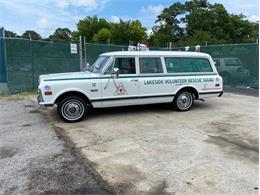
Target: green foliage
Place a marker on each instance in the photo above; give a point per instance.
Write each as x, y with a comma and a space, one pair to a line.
34, 35
198, 22
189, 23
10, 34
103, 36
90, 26
99, 30
61, 34
126, 31
201, 38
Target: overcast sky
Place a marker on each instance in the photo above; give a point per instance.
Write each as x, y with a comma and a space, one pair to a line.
45, 16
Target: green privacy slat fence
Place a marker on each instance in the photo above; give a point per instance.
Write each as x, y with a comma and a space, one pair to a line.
26, 60
2, 62
93, 50
238, 64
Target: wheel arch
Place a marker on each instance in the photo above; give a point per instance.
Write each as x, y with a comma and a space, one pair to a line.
193, 90
72, 93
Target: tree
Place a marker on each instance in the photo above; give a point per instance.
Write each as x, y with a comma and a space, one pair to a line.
10, 34
181, 23
103, 36
61, 34
240, 29
126, 31
30, 33
99, 30
201, 38
90, 26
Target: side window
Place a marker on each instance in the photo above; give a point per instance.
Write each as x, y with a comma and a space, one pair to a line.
150, 65
179, 65
125, 65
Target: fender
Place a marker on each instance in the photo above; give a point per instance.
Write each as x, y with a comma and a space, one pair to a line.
57, 95
70, 90
188, 86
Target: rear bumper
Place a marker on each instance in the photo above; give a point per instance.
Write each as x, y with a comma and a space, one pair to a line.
211, 94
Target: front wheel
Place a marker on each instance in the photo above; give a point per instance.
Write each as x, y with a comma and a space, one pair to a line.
183, 100
72, 109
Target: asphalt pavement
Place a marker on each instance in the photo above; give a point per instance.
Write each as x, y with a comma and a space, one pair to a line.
36, 158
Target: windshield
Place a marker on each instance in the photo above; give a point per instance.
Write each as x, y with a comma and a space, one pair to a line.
99, 64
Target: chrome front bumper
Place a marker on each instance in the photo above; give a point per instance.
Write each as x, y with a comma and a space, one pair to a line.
40, 100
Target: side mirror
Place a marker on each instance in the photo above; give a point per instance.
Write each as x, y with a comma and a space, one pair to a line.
115, 73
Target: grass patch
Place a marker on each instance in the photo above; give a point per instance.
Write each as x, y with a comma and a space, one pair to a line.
17, 97
14, 98
25, 93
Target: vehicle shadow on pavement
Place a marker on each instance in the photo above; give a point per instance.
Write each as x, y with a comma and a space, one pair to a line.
137, 109
144, 109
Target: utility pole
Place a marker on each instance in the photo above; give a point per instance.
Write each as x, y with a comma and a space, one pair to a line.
3, 69
170, 46
80, 54
31, 50
85, 53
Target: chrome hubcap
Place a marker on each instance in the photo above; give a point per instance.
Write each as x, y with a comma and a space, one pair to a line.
72, 109
184, 101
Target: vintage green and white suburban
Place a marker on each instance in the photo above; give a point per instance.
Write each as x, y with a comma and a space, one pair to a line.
132, 78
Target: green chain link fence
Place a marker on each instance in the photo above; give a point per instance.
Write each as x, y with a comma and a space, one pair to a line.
2, 62
94, 50
26, 60
238, 64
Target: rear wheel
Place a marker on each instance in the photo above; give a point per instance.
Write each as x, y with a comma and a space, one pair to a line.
72, 109
183, 100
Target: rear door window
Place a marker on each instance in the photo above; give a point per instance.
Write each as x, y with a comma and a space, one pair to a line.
150, 65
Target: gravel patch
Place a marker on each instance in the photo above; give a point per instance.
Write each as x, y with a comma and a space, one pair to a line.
36, 158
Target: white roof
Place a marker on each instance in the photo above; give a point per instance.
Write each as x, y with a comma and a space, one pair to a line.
156, 53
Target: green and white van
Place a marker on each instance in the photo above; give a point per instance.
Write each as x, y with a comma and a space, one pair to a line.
132, 78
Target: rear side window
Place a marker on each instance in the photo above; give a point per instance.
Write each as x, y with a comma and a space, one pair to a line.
179, 65
150, 65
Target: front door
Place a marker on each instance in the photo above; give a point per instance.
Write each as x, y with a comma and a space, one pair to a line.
124, 90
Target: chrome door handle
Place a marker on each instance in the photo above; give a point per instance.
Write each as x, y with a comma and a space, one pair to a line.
134, 80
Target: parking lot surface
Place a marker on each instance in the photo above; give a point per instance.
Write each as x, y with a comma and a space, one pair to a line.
211, 149
35, 158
